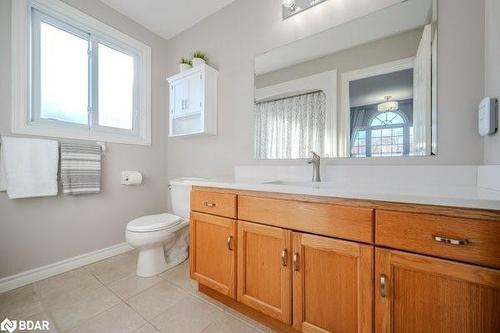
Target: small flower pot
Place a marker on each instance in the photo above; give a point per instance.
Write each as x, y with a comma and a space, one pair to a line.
184, 67
197, 62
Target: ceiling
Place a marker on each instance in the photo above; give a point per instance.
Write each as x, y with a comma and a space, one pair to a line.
167, 18
383, 23
371, 90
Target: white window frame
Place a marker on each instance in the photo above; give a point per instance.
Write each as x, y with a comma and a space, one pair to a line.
24, 116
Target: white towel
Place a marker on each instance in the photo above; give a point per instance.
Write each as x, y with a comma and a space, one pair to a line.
28, 167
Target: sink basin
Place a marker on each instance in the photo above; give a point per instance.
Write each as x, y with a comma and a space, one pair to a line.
300, 183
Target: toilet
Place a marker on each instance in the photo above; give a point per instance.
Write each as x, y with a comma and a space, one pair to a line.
162, 239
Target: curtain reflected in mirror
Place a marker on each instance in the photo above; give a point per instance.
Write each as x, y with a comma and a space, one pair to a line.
290, 127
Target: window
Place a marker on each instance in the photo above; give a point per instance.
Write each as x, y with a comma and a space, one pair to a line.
386, 134
85, 79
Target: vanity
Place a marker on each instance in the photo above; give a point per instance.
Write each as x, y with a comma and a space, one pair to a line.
328, 264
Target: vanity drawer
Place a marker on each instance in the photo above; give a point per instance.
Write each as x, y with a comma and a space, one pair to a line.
222, 204
469, 240
325, 219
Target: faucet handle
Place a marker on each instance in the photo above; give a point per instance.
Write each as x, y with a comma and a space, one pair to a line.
315, 156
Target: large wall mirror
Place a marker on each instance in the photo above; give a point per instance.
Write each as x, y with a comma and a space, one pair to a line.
366, 88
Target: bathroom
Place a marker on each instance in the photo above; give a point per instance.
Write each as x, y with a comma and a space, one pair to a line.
66, 260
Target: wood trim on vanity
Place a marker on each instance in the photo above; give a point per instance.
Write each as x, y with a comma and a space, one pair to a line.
317, 218
471, 213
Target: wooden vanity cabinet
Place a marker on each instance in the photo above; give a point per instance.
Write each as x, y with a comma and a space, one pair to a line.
213, 252
264, 274
416, 293
332, 285
330, 267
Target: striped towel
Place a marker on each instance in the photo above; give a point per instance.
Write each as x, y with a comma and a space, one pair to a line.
80, 168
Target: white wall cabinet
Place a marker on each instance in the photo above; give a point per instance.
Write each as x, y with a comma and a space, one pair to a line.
193, 102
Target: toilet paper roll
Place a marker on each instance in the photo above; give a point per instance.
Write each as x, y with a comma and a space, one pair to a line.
131, 178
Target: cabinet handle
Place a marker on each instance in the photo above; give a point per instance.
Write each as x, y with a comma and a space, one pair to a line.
209, 204
383, 285
229, 243
296, 264
451, 241
284, 257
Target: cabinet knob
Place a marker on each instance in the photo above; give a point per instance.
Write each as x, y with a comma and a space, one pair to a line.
209, 204
451, 241
230, 243
296, 264
383, 285
284, 257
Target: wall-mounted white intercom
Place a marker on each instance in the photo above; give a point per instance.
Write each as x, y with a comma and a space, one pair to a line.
488, 116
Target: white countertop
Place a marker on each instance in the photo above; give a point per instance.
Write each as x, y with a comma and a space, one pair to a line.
454, 196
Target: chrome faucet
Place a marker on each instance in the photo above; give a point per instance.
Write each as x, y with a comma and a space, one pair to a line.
315, 161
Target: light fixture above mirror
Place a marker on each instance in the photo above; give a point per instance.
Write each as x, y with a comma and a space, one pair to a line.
292, 7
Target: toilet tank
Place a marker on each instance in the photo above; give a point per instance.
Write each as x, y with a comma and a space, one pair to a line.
180, 196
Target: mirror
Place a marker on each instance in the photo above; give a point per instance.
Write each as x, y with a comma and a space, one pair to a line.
366, 88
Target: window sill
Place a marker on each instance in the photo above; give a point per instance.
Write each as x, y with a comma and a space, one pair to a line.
63, 133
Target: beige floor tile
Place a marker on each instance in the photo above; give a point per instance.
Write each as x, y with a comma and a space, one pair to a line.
119, 319
132, 285
75, 306
114, 268
189, 314
179, 275
19, 303
151, 302
78, 279
231, 325
148, 328
41, 317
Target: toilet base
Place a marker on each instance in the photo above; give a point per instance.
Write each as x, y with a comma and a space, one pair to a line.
151, 261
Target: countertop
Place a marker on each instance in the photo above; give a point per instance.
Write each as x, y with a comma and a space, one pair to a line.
452, 196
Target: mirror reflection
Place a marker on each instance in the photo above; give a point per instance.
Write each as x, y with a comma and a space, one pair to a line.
366, 88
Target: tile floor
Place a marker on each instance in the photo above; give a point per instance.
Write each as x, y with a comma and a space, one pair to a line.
108, 297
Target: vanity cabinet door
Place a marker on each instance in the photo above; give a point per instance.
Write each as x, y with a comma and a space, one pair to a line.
332, 285
264, 275
213, 252
417, 293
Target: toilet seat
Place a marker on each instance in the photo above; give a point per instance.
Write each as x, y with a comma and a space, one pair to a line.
156, 222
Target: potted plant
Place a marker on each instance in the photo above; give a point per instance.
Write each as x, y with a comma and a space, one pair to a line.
199, 58
185, 64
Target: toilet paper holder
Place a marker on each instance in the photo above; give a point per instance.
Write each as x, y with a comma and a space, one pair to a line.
131, 178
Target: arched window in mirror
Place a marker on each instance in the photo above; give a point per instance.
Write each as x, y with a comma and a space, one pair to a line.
387, 134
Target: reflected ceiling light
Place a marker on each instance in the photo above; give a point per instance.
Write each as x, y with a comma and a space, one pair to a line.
388, 105
290, 4
293, 7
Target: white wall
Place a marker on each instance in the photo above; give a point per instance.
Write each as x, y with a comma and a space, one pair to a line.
234, 35
40, 231
492, 72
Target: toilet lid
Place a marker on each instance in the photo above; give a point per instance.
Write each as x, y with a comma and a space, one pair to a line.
154, 222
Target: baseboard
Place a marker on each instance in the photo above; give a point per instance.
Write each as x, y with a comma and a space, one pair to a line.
43, 272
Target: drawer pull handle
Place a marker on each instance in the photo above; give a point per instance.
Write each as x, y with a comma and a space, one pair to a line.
451, 241
296, 264
383, 285
229, 243
209, 204
284, 257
